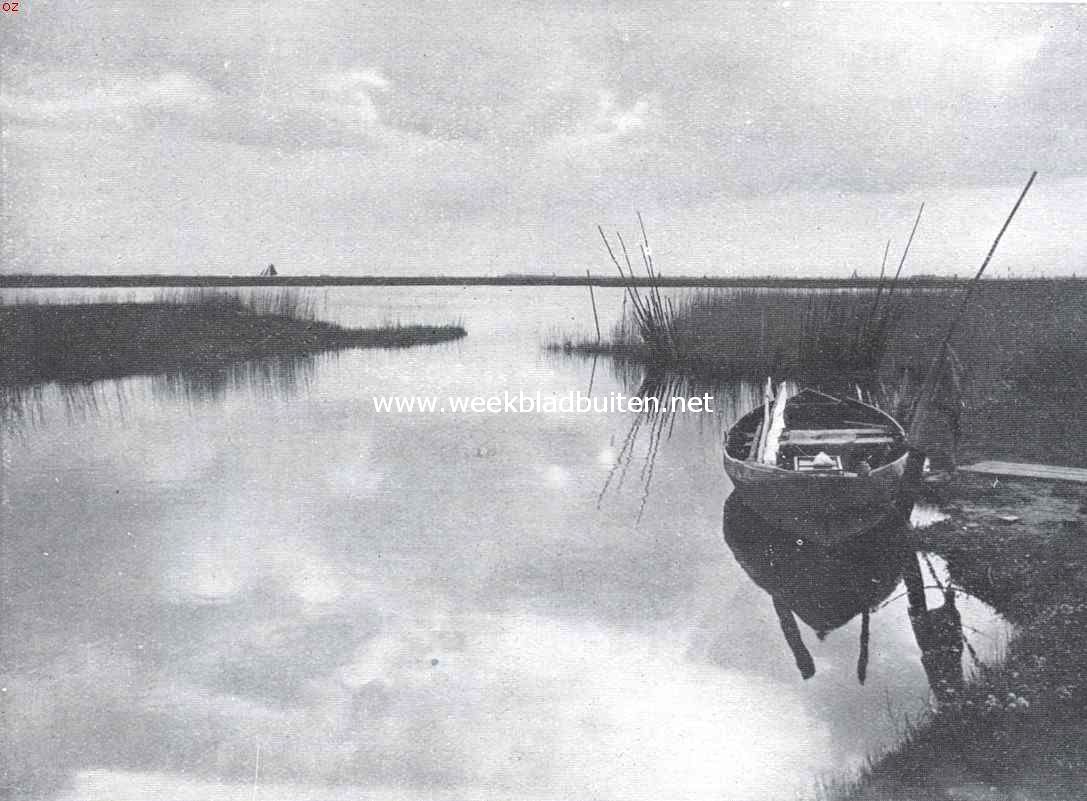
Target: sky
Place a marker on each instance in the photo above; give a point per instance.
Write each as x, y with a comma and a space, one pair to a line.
471, 138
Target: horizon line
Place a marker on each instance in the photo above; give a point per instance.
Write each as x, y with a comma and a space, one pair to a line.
137, 280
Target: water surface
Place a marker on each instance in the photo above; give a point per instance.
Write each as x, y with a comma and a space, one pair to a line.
252, 585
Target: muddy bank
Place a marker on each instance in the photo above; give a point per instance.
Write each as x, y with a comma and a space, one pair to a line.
1019, 730
87, 342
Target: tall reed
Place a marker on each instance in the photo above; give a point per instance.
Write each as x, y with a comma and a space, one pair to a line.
748, 328
652, 314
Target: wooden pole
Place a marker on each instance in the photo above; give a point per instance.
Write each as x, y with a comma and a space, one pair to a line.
592, 298
931, 377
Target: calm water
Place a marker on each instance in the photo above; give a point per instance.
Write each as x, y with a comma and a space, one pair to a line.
255, 586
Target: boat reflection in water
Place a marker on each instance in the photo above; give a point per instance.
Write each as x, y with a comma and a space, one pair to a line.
826, 586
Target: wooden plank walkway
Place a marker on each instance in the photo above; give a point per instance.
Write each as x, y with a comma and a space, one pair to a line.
1051, 472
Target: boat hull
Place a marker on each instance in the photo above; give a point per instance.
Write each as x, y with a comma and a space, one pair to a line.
826, 508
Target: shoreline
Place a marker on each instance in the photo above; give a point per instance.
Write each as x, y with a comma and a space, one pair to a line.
1017, 729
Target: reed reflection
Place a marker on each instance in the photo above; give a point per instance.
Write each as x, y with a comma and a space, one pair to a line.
280, 377
653, 425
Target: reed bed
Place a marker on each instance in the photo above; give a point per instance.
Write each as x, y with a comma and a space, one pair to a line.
1014, 382
1035, 333
264, 302
754, 331
187, 330
741, 331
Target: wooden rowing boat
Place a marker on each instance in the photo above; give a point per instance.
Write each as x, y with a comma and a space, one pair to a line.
817, 466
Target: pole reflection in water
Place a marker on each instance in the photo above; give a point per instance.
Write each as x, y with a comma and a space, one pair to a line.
826, 587
939, 634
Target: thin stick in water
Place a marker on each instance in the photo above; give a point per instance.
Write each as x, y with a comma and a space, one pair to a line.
592, 298
863, 333
881, 324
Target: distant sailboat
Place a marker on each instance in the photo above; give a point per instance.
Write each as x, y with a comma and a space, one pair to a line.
270, 270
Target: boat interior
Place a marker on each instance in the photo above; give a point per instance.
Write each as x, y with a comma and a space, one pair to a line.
820, 434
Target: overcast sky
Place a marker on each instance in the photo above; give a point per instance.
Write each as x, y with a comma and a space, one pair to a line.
488, 138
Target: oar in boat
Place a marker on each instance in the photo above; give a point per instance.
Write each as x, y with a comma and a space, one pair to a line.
775, 427
767, 394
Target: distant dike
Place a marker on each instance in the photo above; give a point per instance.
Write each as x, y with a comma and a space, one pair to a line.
54, 281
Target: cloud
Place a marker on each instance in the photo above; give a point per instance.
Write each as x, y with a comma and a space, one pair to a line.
106, 98
520, 706
501, 135
351, 81
612, 135
613, 121
336, 110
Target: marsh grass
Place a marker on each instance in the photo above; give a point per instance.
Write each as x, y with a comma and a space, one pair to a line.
265, 302
1010, 332
1013, 388
748, 332
188, 330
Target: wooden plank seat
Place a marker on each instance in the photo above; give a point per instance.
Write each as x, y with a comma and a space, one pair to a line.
816, 433
825, 434
838, 436
814, 443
